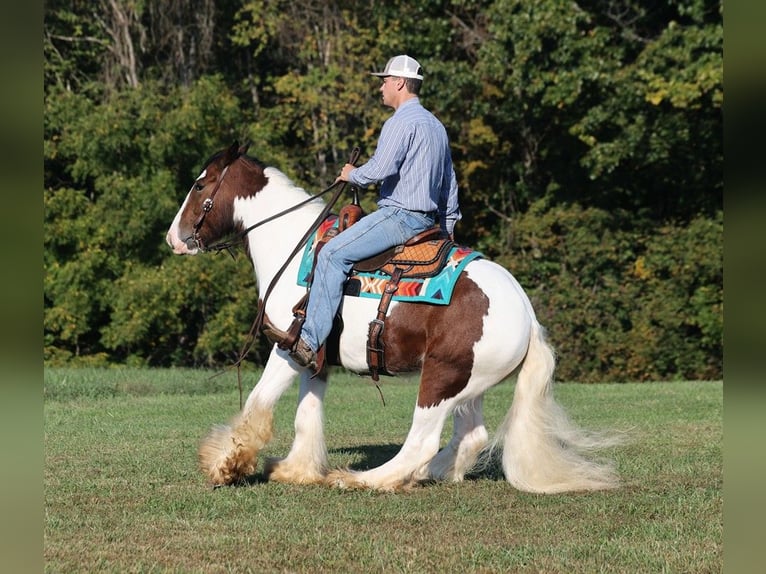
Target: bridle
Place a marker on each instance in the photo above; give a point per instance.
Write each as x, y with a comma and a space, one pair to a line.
207, 205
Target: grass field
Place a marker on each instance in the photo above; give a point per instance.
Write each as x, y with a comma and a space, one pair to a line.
122, 492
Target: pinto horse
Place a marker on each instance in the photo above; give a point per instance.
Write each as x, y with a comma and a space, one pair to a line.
487, 333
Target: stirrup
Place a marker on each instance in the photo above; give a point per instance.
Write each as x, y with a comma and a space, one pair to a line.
300, 352
274, 335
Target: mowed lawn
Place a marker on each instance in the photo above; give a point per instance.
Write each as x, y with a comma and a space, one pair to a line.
123, 493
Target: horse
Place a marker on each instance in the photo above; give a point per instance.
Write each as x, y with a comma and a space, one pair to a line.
486, 334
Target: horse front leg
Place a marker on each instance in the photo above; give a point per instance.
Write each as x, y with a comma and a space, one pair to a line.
229, 453
306, 462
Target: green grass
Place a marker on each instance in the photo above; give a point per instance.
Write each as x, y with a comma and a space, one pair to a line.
122, 492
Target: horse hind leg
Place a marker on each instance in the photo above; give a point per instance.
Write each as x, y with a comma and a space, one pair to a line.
400, 473
469, 439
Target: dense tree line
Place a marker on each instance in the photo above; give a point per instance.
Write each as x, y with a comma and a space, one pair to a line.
587, 138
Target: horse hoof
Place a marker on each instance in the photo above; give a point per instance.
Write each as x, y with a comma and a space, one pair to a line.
224, 460
343, 479
280, 470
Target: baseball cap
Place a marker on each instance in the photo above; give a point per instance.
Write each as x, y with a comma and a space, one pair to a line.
403, 67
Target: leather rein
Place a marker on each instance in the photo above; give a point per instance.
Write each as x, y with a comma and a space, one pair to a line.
207, 206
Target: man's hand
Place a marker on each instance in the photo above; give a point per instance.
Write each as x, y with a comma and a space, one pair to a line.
344, 173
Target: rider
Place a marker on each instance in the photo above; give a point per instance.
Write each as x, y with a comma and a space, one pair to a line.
413, 164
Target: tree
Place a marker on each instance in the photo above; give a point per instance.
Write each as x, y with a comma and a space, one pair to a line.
577, 107
586, 138
115, 174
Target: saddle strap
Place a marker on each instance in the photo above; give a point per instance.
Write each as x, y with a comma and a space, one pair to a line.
376, 358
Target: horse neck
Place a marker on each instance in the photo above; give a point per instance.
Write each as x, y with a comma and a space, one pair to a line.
271, 244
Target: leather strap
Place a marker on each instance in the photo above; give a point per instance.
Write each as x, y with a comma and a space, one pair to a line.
376, 358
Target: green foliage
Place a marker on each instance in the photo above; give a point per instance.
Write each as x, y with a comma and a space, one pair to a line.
115, 174
74, 44
590, 108
660, 123
192, 311
624, 305
678, 332
587, 139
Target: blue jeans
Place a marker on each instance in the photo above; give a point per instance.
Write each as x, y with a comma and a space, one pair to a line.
373, 233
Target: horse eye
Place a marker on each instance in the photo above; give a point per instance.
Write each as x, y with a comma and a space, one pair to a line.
199, 186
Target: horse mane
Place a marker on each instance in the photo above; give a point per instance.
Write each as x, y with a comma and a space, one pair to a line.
248, 158
254, 161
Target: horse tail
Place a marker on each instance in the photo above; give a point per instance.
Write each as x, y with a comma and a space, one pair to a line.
542, 450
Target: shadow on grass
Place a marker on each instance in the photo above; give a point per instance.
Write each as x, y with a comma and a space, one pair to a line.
252, 480
366, 456
370, 456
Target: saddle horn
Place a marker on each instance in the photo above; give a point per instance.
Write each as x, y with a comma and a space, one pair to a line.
352, 212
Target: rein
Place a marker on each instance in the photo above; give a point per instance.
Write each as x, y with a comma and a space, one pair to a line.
227, 245
258, 321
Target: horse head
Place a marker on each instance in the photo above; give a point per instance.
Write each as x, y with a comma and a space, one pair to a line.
207, 213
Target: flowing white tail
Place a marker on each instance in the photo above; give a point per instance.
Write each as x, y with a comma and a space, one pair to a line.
542, 450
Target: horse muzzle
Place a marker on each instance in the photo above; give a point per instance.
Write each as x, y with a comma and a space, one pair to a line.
189, 246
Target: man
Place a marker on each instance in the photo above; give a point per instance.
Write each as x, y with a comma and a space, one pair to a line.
413, 164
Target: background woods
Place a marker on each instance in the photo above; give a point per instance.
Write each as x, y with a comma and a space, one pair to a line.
587, 138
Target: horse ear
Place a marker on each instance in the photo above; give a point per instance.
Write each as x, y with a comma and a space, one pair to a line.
232, 152
244, 147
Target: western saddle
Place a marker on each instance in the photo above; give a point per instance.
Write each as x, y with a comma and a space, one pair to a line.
422, 256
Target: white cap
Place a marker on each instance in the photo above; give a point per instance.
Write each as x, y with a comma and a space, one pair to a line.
402, 67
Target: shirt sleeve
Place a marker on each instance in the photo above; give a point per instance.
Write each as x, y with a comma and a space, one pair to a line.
386, 160
449, 208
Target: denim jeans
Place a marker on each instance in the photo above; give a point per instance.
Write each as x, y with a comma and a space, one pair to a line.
373, 233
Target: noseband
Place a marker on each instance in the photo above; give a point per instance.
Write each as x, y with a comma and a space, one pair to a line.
207, 205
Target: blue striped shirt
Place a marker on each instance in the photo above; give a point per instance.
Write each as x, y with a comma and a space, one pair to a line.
414, 164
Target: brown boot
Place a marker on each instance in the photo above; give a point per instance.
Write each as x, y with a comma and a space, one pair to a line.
301, 353
276, 336
304, 355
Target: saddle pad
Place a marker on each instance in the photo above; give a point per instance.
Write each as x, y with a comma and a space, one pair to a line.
435, 290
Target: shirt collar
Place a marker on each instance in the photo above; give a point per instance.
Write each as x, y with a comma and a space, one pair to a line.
411, 101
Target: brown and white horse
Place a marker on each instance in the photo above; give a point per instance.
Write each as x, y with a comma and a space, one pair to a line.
488, 332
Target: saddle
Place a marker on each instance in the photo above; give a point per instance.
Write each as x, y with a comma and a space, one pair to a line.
422, 256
